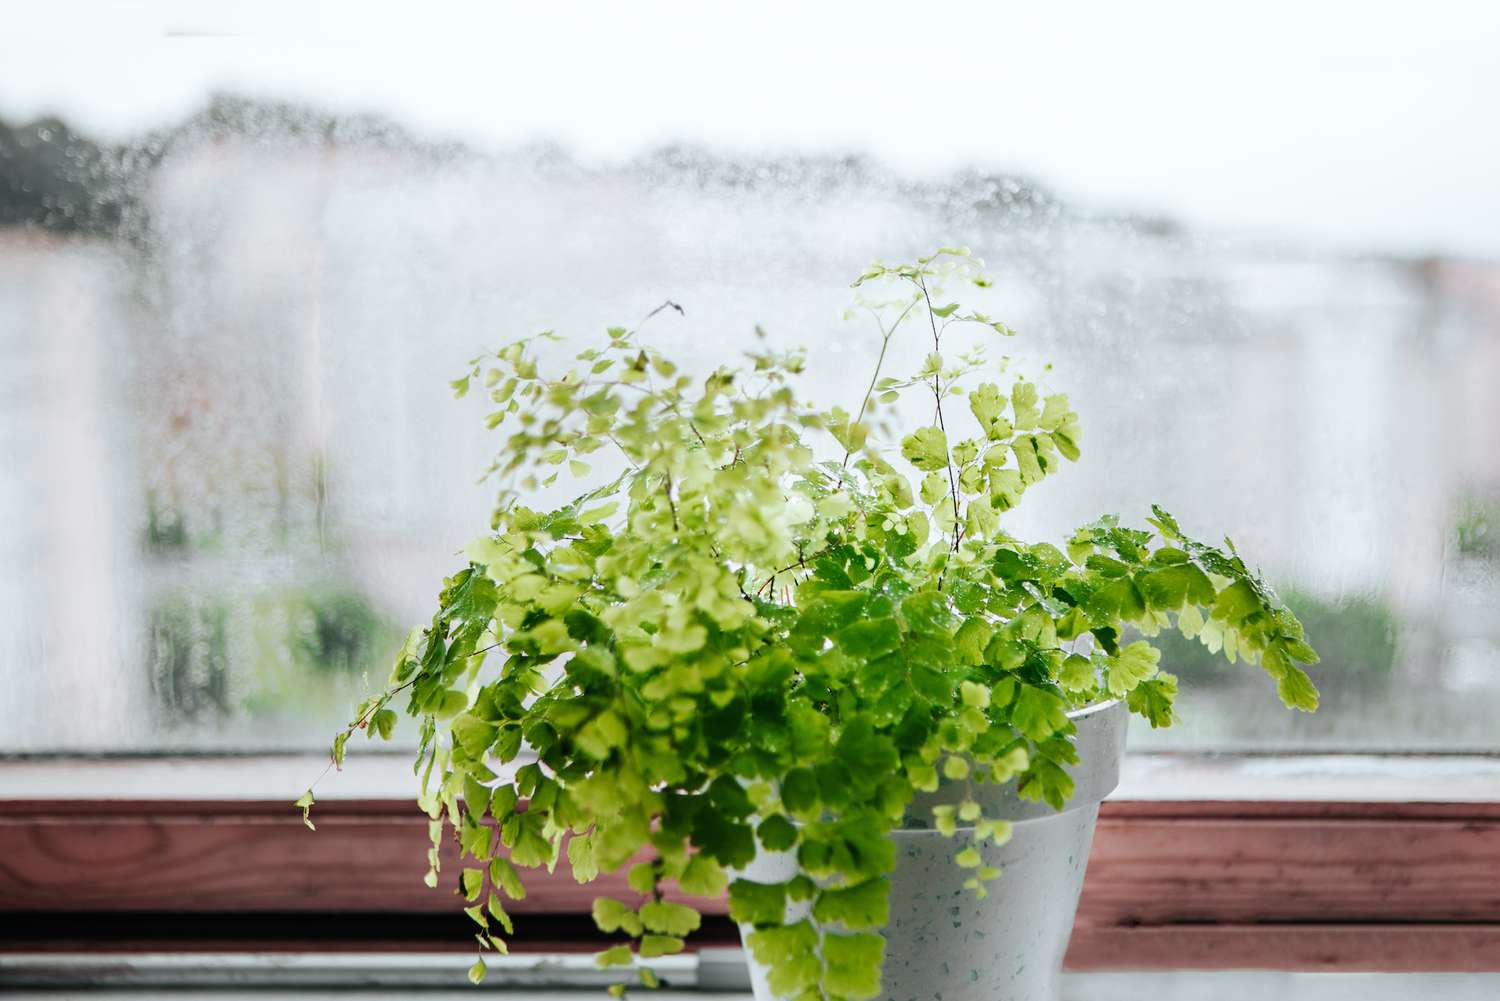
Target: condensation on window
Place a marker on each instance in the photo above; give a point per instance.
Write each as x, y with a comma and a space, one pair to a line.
232, 474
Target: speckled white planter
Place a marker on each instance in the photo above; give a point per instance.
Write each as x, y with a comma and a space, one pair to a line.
943, 943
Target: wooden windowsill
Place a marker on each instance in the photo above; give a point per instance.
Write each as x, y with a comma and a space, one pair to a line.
1328, 863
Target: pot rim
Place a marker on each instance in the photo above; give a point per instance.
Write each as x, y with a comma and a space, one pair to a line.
1096, 707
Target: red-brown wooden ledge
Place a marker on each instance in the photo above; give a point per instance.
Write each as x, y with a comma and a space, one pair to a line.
1194, 885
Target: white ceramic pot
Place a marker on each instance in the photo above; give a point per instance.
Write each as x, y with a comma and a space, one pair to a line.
945, 944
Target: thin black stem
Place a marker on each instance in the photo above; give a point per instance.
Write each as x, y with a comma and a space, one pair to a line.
669, 304
675, 526
937, 392
864, 404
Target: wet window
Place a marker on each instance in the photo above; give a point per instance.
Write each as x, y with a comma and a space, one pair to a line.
231, 471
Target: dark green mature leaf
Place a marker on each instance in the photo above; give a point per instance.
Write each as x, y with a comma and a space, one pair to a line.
1119, 599
1107, 566
474, 735
863, 749
1236, 603
728, 797
927, 612
1153, 699
1168, 589
727, 842
831, 611
835, 784
1046, 781
757, 903
863, 905
777, 833
933, 684
1014, 567
809, 731
799, 790
869, 638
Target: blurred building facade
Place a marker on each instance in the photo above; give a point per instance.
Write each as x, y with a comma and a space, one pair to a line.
230, 456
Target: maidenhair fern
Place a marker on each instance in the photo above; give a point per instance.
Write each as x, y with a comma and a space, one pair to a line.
775, 624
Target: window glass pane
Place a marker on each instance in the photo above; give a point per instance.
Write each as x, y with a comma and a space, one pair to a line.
233, 474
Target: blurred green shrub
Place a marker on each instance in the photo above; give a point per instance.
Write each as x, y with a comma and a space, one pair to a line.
1477, 527
289, 649
1357, 637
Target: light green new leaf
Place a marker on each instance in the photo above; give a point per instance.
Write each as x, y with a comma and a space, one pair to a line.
934, 488
853, 964
703, 877
1132, 665
669, 918
1297, 691
987, 405
471, 883
497, 911
1039, 713
1077, 674
653, 946
971, 639
789, 952
305, 804
1055, 412
926, 448
1027, 464
618, 955
505, 876
611, 916
581, 859
1024, 409
642, 878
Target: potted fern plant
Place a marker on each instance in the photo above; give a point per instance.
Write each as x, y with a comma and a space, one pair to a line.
792, 653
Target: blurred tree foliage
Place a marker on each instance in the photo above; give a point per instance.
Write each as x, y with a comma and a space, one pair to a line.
54, 179
1357, 638
215, 655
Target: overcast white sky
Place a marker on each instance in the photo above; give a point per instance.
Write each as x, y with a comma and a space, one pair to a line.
1360, 124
